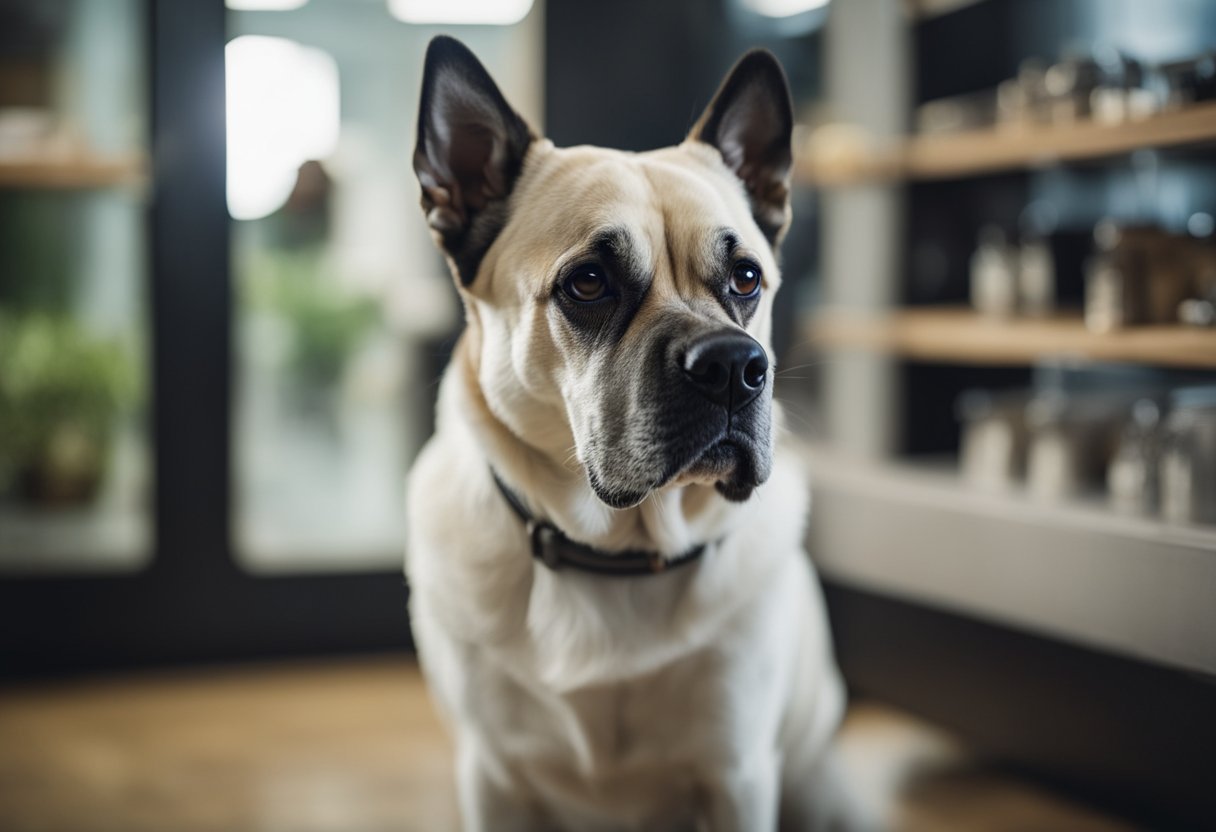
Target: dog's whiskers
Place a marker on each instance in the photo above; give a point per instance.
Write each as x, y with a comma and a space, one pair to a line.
809, 364
573, 453
792, 410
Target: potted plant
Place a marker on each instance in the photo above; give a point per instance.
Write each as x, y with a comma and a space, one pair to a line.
325, 324
61, 392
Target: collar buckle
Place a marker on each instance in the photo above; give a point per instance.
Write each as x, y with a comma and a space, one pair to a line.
546, 543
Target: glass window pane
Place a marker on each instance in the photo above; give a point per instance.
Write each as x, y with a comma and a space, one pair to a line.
73, 443
344, 303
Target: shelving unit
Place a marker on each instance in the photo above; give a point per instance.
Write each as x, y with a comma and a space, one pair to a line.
958, 335
866, 254
977, 152
1063, 636
70, 172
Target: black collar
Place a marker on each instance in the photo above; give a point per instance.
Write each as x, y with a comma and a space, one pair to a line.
551, 547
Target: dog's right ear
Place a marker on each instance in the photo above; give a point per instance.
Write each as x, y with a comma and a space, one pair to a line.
471, 145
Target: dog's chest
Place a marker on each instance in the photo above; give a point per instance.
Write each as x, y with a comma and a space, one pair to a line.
593, 730
703, 709
647, 744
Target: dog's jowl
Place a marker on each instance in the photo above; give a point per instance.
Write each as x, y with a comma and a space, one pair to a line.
608, 586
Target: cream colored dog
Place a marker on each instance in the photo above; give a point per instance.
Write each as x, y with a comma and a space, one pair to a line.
609, 590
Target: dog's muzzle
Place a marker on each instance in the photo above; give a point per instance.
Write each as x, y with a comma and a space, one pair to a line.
698, 409
729, 368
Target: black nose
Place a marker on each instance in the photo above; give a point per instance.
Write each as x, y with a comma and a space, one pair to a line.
729, 368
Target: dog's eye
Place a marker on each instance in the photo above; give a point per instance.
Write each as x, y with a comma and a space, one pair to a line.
586, 284
745, 280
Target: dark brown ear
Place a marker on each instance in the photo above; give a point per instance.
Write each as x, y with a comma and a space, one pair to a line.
471, 145
750, 121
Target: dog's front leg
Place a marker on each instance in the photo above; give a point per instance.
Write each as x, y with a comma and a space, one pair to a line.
488, 800
744, 799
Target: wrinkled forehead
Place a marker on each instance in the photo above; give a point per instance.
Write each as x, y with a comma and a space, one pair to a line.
668, 211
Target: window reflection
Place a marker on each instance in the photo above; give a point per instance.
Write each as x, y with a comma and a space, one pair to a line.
282, 102
344, 303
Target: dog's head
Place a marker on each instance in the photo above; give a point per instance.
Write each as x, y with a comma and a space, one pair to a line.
618, 303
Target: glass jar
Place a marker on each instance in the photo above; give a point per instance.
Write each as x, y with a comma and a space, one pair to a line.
1132, 477
1188, 457
993, 446
994, 274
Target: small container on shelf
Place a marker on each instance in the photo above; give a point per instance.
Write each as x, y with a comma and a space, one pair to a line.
1200, 309
1198, 312
1023, 100
972, 111
1190, 81
1132, 477
994, 274
993, 447
1036, 278
1070, 83
1188, 457
1113, 294
1124, 92
1138, 275
1069, 443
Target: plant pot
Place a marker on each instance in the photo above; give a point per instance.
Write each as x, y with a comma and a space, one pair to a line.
69, 471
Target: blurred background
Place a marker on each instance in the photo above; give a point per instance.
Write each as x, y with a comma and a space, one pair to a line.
222, 322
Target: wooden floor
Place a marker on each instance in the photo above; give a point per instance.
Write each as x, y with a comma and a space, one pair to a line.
355, 746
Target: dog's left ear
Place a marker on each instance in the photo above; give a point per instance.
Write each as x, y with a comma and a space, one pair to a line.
750, 122
471, 146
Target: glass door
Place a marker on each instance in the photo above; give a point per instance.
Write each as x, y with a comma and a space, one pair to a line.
74, 472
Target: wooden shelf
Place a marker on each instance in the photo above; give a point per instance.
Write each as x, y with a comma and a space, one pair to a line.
69, 173
961, 336
1009, 148
1078, 571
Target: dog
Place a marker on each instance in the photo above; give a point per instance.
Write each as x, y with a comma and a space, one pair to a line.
609, 592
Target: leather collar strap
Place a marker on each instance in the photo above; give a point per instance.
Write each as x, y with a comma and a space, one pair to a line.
551, 547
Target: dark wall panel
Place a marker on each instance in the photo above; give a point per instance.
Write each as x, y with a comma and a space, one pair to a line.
635, 74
